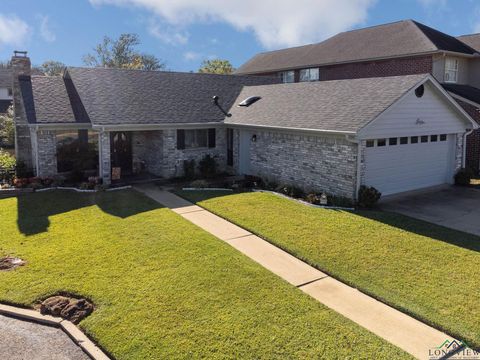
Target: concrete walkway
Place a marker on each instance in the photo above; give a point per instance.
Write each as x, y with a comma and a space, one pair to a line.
394, 326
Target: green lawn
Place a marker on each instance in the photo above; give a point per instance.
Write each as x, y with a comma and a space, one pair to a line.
162, 287
423, 269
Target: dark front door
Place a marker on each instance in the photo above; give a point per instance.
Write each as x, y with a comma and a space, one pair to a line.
121, 151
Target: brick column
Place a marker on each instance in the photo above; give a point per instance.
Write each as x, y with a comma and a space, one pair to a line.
170, 160
104, 160
47, 153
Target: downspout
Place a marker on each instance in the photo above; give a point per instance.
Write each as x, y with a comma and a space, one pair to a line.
464, 150
353, 140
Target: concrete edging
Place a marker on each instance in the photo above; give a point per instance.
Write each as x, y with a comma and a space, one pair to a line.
68, 328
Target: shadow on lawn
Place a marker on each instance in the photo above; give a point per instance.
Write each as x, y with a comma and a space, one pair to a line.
424, 228
35, 209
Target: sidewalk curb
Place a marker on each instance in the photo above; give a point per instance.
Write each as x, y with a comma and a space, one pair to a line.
66, 326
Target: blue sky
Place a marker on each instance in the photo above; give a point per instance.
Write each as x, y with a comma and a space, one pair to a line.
184, 32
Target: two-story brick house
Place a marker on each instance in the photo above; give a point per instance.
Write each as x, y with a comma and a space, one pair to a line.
401, 48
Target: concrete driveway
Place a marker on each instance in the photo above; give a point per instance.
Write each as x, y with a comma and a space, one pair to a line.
454, 207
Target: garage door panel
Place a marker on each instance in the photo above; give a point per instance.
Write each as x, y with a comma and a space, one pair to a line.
404, 167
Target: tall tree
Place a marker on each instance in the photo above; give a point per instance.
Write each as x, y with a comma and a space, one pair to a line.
216, 66
7, 128
122, 53
52, 68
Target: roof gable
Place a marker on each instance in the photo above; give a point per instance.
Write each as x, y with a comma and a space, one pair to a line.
401, 38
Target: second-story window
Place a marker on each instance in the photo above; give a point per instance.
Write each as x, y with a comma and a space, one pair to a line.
312, 74
287, 76
451, 70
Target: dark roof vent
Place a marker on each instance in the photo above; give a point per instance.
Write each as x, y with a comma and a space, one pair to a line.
249, 101
420, 91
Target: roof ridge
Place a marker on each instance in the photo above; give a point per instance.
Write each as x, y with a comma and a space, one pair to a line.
162, 72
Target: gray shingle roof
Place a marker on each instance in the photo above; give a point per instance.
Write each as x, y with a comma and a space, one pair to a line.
401, 38
340, 105
124, 97
6, 79
51, 102
472, 40
466, 91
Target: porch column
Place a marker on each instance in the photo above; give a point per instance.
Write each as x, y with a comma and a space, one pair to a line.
104, 161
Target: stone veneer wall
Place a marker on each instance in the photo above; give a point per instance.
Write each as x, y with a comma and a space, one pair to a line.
105, 161
173, 158
311, 162
46, 143
147, 148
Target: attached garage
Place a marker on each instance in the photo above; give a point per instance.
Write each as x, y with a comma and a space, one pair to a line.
397, 165
396, 134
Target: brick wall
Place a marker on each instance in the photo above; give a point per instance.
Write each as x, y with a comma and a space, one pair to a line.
379, 68
173, 158
473, 140
147, 147
310, 162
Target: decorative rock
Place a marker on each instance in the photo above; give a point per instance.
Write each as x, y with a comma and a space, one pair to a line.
68, 308
9, 263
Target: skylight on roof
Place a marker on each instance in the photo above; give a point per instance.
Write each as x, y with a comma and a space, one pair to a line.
249, 101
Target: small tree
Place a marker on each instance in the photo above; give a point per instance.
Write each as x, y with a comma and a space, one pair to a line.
7, 128
121, 53
52, 68
216, 66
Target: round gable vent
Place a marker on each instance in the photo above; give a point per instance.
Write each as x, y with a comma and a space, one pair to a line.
420, 91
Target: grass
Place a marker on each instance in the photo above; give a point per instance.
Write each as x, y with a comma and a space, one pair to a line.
423, 269
163, 288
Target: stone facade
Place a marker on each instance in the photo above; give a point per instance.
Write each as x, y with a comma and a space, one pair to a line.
311, 162
147, 151
47, 153
173, 158
104, 154
21, 67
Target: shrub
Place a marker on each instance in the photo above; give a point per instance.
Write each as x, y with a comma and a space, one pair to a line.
313, 198
199, 184
7, 167
340, 201
292, 191
368, 196
463, 177
189, 169
207, 167
76, 176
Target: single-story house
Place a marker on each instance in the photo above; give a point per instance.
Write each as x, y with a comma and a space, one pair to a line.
396, 134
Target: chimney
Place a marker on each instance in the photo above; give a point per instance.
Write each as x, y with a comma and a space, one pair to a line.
21, 72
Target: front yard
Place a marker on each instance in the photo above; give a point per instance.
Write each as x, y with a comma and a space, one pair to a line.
162, 287
423, 269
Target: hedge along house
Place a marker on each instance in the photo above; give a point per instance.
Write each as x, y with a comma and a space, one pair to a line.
118, 123
395, 133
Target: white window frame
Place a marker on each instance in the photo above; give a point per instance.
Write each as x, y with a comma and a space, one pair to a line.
311, 74
287, 76
451, 70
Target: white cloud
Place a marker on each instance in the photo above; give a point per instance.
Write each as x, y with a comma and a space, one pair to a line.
191, 56
167, 34
45, 31
13, 30
275, 23
437, 3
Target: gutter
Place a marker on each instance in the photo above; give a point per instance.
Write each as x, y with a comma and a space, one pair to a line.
291, 129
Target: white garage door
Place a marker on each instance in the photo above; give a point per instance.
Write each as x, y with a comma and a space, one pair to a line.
396, 165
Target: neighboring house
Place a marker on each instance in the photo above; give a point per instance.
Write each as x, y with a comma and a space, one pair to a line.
400, 48
6, 94
396, 133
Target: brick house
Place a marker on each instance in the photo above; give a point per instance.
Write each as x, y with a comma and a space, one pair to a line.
400, 48
330, 136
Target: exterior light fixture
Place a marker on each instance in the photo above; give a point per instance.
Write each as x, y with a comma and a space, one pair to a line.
323, 199
254, 138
